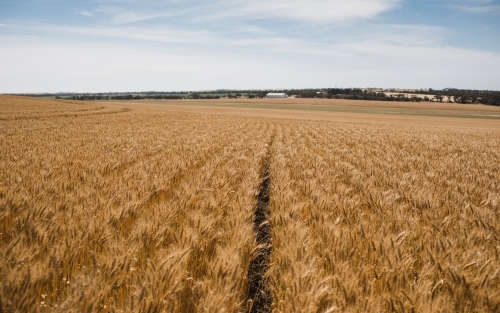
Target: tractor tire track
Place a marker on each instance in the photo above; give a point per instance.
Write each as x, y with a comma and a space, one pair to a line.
259, 294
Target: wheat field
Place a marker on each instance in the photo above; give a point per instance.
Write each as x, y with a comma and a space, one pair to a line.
114, 208
385, 219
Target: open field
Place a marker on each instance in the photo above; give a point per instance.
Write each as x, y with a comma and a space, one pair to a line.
407, 113
204, 206
336, 110
334, 105
356, 103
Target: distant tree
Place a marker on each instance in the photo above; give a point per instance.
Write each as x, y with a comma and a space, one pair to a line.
307, 94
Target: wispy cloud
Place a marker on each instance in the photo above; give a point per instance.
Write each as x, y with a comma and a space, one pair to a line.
311, 11
475, 6
119, 15
86, 13
317, 11
164, 33
392, 34
392, 42
396, 34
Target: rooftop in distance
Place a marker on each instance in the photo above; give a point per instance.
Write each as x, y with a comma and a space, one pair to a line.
276, 95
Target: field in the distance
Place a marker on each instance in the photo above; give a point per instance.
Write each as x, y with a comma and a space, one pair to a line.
427, 113
152, 206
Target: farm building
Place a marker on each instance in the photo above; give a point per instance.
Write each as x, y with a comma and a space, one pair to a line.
276, 95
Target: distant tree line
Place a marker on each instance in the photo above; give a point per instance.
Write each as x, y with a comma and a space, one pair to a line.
445, 95
91, 97
468, 96
198, 96
359, 94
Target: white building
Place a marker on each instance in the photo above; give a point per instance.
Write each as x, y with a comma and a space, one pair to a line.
276, 95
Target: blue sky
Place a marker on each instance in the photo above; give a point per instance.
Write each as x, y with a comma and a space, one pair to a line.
128, 45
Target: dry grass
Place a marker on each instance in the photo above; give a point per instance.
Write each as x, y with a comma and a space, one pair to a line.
107, 208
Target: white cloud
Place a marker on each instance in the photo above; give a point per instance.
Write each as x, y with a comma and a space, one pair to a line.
76, 59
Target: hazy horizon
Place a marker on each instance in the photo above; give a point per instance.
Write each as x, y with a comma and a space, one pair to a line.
223, 90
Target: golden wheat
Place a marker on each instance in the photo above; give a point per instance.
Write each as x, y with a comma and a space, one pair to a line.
107, 208
136, 210
371, 218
